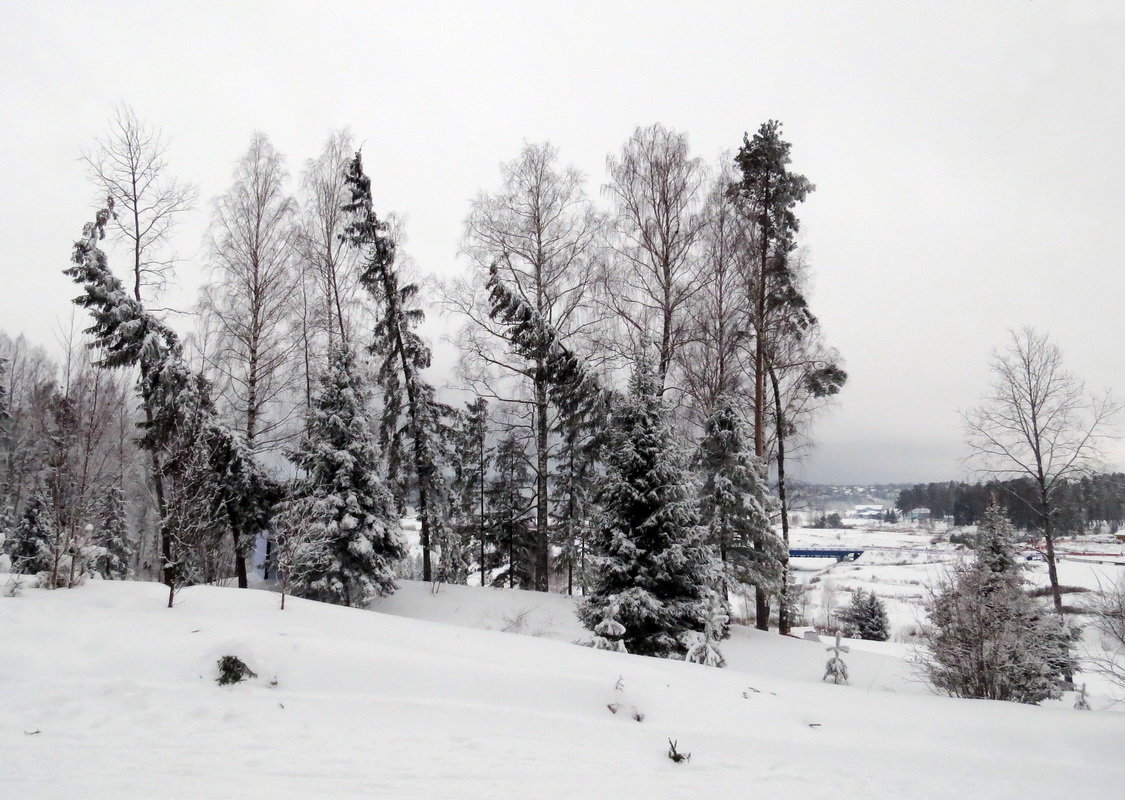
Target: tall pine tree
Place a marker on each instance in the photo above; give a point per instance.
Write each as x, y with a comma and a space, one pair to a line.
652, 561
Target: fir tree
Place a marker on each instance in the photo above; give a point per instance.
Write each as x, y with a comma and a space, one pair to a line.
29, 544
652, 561
510, 523
419, 444
574, 501
987, 638
341, 495
179, 415
471, 457
112, 536
864, 618
736, 503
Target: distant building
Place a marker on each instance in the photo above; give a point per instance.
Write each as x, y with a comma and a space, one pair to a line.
920, 514
869, 512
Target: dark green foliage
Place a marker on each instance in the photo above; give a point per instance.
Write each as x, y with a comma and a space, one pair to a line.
652, 561
416, 448
573, 389
767, 188
1079, 504
233, 669
471, 457
736, 504
210, 477
341, 496
574, 500
510, 524
112, 535
864, 618
29, 543
987, 638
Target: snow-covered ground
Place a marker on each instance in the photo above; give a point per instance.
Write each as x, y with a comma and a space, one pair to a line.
106, 693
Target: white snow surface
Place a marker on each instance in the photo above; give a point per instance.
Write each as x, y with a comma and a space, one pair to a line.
106, 693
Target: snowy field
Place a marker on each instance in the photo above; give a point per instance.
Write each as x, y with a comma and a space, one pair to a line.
435, 695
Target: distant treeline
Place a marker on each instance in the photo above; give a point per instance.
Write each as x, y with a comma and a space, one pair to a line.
1081, 504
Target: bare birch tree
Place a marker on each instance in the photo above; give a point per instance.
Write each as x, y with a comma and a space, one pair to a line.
1036, 421
251, 298
719, 332
130, 164
657, 189
250, 302
540, 232
330, 295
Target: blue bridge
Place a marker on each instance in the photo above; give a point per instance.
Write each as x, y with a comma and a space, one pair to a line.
825, 552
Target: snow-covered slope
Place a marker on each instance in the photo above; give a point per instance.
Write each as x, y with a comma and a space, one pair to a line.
104, 693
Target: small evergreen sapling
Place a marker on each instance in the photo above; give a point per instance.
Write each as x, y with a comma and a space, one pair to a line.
29, 545
609, 633
836, 669
112, 537
706, 649
342, 496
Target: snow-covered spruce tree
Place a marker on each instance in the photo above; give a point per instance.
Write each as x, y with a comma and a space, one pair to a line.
112, 536
179, 416
415, 448
573, 499
864, 618
652, 560
986, 637
29, 543
471, 457
736, 502
341, 495
509, 517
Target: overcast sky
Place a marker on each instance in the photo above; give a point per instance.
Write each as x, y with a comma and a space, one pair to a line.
969, 158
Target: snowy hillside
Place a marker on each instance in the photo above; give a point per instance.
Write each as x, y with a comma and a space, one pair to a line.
108, 694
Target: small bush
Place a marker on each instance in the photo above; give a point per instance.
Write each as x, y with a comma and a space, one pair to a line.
233, 669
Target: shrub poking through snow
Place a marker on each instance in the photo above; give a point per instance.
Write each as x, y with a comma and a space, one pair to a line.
233, 669
675, 755
836, 670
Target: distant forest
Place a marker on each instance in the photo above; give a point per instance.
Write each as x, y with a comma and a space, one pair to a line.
1082, 504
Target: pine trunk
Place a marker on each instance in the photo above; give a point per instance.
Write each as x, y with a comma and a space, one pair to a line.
783, 595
